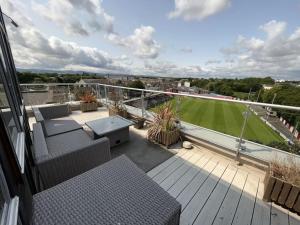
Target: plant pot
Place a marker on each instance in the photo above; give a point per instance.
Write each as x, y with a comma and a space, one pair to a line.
120, 112
87, 107
139, 123
282, 193
168, 138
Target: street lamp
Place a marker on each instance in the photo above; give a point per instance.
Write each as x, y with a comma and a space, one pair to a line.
269, 109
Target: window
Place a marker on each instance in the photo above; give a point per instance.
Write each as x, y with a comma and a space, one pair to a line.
9, 206
7, 115
9, 112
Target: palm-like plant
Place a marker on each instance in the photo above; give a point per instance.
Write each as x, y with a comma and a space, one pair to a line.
164, 121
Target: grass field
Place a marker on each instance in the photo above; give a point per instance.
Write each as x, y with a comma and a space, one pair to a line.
225, 117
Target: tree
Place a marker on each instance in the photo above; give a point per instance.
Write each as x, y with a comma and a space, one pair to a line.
136, 84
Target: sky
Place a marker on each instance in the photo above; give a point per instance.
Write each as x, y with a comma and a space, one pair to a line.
180, 38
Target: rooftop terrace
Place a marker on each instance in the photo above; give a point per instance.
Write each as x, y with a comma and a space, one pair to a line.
211, 188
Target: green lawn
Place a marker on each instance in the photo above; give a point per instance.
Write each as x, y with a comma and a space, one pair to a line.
225, 117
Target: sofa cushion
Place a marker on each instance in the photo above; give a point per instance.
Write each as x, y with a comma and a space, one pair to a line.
117, 192
59, 126
67, 142
37, 114
39, 142
55, 111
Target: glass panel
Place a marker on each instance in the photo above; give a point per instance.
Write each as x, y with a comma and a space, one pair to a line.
2, 203
7, 115
4, 196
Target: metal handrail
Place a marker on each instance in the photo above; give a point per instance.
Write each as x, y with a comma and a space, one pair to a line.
294, 108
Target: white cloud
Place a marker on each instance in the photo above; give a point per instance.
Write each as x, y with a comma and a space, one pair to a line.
32, 49
198, 9
278, 55
165, 68
65, 13
212, 62
273, 28
140, 42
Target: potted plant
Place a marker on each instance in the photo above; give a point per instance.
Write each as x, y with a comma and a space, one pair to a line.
88, 102
117, 107
282, 184
164, 129
138, 121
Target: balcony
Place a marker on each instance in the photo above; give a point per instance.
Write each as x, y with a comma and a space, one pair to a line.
206, 180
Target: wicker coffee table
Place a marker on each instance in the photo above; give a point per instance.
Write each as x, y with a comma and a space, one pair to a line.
116, 128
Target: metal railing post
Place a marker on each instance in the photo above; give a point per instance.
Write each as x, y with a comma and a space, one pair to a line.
105, 92
178, 110
69, 94
178, 107
143, 104
246, 115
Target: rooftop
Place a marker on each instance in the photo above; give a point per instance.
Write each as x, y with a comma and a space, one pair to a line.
211, 187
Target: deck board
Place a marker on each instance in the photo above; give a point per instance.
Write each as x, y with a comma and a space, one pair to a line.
187, 194
170, 180
245, 208
210, 209
165, 164
294, 219
213, 190
180, 185
227, 210
261, 214
279, 215
158, 178
191, 211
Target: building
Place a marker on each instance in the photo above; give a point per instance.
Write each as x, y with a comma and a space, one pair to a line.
151, 185
267, 87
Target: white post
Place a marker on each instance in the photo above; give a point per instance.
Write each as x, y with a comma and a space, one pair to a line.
249, 94
69, 94
270, 107
246, 115
143, 104
258, 95
105, 92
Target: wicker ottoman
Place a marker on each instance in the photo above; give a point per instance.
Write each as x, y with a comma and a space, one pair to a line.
117, 192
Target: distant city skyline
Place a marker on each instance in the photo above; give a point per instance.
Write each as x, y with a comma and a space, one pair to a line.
174, 38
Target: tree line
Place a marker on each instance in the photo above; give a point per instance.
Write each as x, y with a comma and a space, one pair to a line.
29, 77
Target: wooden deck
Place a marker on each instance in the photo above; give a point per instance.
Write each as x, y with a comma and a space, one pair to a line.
214, 190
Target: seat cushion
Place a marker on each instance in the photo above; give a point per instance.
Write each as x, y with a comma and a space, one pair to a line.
67, 142
39, 143
55, 111
117, 192
59, 126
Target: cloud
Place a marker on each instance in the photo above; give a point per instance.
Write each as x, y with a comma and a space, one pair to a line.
186, 50
278, 55
273, 28
32, 49
140, 42
65, 13
166, 68
197, 9
212, 61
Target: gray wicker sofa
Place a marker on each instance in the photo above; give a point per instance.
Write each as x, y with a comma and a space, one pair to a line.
55, 119
117, 192
66, 155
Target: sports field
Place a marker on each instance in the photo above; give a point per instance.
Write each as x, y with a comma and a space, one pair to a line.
225, 117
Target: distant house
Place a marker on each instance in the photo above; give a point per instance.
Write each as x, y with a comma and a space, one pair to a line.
187, 84
92, 81
267, 86
184, 83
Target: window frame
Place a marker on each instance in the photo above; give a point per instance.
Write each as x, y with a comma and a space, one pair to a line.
9, 215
